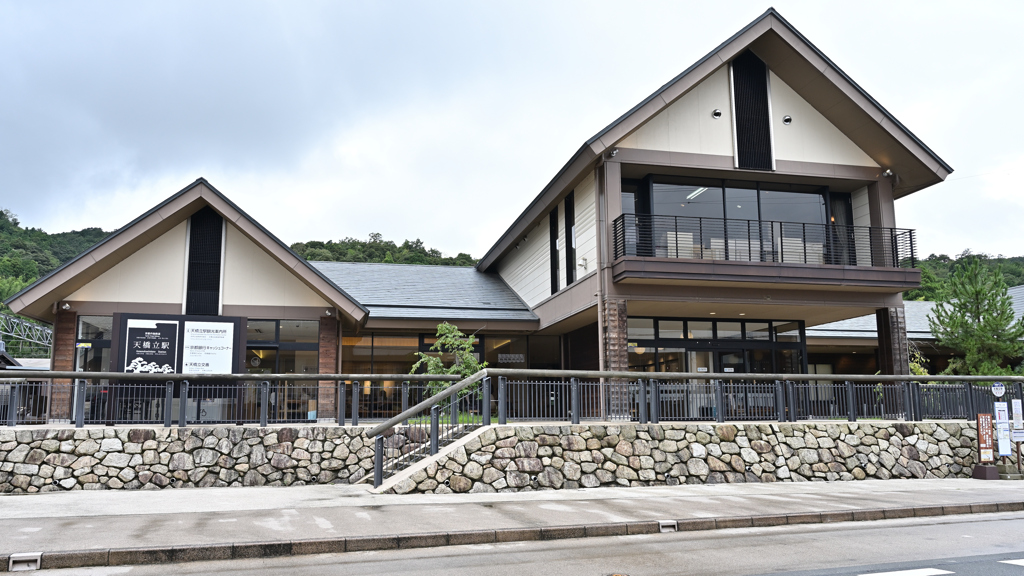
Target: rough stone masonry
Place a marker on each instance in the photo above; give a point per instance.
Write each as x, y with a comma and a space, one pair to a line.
519, 458
47, 460
500, 458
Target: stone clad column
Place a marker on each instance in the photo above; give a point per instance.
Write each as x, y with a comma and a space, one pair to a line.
893, 353
330, 332
616, 357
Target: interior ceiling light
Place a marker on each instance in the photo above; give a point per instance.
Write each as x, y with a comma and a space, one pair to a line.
712, 313
696, 192
743, 313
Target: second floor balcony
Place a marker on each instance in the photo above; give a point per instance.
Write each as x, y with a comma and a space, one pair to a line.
698, 238
698, 249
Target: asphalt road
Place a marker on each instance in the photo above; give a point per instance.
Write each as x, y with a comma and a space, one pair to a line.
961, 545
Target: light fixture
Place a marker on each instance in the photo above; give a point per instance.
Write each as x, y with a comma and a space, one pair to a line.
65, 306
887, 172
697, 192
787, 120
613, 153
639, 350
712, 313
328, 312
716, 113
743, 313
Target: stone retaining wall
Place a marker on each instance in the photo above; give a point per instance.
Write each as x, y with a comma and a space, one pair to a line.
520, 458
47, 460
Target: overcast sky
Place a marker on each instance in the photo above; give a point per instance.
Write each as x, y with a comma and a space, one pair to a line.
442, 120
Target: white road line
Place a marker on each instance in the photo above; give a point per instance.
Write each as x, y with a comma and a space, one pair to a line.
914, 572
1014, 562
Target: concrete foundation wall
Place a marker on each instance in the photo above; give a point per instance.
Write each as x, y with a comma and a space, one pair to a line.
520, 458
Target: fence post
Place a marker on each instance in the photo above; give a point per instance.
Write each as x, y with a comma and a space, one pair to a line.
80, 386
574, 390
719, 402
435, 415
655, 400
918, 411
908, 406
341, 402
264, 403
405, 400
485, 408
791, 398
12, 405
183, 404
780, 403
502, 400
168, 400
356, 389
643, 401
454, 410
851, 401
378, 461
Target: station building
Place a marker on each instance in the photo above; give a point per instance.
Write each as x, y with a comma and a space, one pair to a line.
709, 228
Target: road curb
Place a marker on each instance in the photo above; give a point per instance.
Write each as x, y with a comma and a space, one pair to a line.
226, 551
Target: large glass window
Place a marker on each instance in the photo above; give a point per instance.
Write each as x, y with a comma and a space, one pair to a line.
92, 343
693, 200
639, 329
730, 345
802, 207
505, 351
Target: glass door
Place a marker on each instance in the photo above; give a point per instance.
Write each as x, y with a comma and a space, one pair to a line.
734, 392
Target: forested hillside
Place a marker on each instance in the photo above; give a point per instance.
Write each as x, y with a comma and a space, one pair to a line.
936, 269
28, 253
376, 249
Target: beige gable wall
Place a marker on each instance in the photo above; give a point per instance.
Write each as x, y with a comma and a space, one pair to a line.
155, 273
686, 125
586, 226
253, 278
810, 137
526, 270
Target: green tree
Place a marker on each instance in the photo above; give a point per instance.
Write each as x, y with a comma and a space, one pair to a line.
453, 348
974, 317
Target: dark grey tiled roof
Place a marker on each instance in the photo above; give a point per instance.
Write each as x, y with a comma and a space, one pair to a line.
427, 292
917, 313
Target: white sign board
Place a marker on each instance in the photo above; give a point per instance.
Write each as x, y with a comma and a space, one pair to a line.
1018, 414
1003, 439
1002, 415
208, 348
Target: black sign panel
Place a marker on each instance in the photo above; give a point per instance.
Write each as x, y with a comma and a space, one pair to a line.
151, 346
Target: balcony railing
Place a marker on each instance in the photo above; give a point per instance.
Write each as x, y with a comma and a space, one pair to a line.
762, 241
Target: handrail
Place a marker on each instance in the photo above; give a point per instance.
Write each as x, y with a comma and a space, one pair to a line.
405, 414
662, 376
159, 377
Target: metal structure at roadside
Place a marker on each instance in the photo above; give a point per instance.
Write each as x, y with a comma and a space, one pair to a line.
20, 332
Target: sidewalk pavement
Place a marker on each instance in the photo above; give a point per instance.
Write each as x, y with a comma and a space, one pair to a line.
134, 527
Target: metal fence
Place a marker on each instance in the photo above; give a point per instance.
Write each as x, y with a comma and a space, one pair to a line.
762, 241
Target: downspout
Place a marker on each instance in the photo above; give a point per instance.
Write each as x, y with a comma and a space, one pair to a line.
601, 357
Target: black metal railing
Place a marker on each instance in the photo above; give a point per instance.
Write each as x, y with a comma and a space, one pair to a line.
435, 422
762, 241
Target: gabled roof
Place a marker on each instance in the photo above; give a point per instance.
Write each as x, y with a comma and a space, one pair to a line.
428, 292
36, 300
791, 56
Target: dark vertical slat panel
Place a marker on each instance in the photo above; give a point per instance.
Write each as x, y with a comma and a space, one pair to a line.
753, 129
204, 252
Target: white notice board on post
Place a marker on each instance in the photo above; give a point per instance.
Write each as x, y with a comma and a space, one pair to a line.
208, 347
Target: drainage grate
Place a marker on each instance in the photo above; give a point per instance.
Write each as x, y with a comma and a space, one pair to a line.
24, 562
